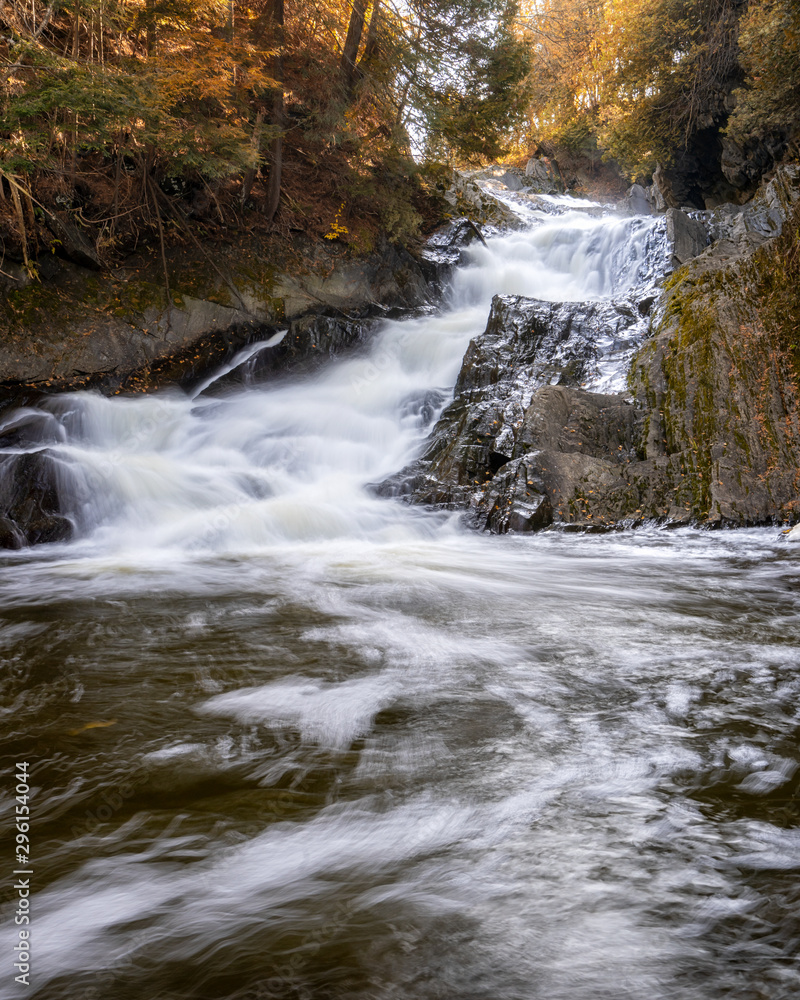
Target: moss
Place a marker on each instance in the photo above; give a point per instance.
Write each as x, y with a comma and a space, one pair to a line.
35, 303
689, 403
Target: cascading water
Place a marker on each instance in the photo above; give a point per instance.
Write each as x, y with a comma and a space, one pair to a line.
290, 463
289, 739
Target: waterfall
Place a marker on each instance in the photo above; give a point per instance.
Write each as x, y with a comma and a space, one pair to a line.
257, 466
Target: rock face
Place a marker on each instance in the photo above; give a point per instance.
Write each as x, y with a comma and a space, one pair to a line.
714, 170
544, 174
484, 454
470, 201
719, 381
708, 434
689, 237
117, 332
571, 450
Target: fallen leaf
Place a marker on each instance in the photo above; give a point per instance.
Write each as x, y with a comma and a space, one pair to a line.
91, 725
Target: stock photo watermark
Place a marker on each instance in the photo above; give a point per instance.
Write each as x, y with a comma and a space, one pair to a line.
23, 873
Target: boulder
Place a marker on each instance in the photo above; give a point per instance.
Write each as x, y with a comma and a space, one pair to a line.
543, 175
689, 237
637, 200
662, 192
444, 249
577, 456
512, 181
30, 511
537, 169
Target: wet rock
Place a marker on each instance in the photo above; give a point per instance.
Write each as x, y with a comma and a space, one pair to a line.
445, 248
30, 511
492, 420
514, 501
637, 200
308, 344
576, 452
688, 236
26, 427
574, 463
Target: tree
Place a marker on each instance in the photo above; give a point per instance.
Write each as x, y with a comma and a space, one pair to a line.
463, 78
768, 105
564, 80
669, 66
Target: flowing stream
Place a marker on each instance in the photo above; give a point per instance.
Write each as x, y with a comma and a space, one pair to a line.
291, 740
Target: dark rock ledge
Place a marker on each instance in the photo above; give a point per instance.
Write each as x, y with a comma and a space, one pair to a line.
116, 332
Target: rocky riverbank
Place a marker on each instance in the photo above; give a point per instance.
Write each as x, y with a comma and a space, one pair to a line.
119, 331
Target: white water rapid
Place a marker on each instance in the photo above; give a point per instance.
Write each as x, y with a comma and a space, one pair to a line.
291, 740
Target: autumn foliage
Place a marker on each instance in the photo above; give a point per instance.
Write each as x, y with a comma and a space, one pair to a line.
642, 80
129, 119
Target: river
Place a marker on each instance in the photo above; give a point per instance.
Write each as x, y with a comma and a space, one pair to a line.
288, 739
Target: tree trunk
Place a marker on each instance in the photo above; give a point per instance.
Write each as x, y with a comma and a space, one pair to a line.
46, 20
76, 32
351, 43
371, 48
276, 148
255, 142
150, 15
